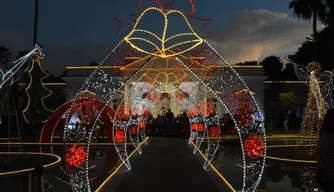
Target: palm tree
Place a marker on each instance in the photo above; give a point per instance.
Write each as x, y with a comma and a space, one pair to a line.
308, 10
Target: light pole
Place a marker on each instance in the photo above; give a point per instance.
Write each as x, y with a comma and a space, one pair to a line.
35, 23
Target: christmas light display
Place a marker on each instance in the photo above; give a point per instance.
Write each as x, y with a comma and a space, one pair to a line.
18, 65
214, 131
254, 147
36, 111
320, 98
229, 81
76, 155
119, 135
189, 55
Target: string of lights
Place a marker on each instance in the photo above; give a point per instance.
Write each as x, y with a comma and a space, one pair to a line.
252, 135
227, 82
320, 87
8, 74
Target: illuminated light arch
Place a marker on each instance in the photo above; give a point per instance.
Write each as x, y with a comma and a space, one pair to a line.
228, 81
51, 124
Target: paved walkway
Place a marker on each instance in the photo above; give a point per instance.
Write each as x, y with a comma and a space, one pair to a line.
166, 165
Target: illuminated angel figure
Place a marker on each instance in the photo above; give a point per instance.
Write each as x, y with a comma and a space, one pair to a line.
320, 99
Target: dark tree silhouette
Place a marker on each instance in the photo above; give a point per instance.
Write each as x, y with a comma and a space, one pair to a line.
272, 67
308, 10
5, 57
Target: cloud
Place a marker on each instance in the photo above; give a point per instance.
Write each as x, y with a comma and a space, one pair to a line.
255, 34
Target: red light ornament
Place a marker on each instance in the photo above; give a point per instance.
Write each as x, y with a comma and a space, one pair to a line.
76, 155
254, 147
214, 131
142, 125
133, 130
119, 136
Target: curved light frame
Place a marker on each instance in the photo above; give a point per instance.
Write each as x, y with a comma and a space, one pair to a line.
251, 175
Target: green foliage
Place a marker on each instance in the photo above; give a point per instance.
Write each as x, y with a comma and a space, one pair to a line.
304, 54
305, 9
272, 67
288, 99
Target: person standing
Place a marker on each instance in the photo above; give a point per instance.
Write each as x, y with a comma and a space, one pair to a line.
325, 154
286, 120
170, 120
162, 124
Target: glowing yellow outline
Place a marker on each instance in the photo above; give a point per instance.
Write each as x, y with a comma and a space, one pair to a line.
214, 169
163, 39
148, 32
87, 92
116, 170
29, 169
30, 82
289, 160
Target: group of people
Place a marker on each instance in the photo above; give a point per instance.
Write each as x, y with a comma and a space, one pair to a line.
166, 120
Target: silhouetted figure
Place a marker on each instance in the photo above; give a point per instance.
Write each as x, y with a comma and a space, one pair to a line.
286, 120
325, 154
170, 120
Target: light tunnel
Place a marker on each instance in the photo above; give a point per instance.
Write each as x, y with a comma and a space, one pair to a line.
228, 88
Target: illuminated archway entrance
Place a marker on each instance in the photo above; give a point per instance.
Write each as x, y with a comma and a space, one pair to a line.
167, 69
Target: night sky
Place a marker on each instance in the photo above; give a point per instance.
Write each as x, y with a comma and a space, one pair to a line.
77, 32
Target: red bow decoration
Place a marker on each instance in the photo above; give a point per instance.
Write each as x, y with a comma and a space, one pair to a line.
162, 6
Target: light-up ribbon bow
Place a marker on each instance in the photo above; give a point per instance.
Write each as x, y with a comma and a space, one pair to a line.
165, 6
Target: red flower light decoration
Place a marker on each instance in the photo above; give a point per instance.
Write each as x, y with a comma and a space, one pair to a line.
142, 125
193, 127
76, 155
133, 130
146, 112
119, 136
214, 131
254, 147
200, 127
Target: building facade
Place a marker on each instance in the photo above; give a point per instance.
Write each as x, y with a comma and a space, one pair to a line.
77, 75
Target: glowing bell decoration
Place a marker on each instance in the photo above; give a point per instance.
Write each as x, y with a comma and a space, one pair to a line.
161, 42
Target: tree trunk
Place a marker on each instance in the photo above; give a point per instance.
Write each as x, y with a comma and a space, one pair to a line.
315, 37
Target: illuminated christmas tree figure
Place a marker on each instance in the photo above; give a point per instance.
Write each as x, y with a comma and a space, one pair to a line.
320, 98
36, 111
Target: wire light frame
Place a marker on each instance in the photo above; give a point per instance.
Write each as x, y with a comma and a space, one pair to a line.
133, 61
319, 100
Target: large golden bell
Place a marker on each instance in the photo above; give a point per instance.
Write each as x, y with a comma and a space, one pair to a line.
163, 48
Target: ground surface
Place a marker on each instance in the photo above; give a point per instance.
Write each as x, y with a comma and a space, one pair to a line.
166, 165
